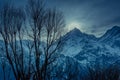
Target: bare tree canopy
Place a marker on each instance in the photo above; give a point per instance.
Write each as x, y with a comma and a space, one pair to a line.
35, 63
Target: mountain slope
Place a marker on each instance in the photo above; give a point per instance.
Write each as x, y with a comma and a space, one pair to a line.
112, 37
86, 48
74, 40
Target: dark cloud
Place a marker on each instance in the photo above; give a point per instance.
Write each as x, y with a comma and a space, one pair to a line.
95, 16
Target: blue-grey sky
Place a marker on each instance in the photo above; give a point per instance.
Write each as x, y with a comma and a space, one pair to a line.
90, 16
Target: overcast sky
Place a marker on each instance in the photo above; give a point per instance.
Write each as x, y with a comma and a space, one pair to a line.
90, 16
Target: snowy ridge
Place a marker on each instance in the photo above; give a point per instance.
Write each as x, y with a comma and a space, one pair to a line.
111, 37
86, 48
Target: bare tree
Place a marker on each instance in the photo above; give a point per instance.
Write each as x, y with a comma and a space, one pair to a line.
30, 63
45, 27
48, 23
54, 25
11, 30
35, 9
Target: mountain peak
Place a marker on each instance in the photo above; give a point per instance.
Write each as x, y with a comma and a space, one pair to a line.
115, 28
77, 35
113, 31
75, 28
111, 34
75, 31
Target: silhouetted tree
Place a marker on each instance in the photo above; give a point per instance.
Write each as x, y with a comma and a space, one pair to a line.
36, 14
43, 31
46, 26
11, 29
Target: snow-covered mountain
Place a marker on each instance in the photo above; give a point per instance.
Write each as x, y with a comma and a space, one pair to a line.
74, 40
112, 37
86, 48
